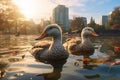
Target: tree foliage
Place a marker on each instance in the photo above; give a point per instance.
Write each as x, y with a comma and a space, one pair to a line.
92, 23
116, 27
114, 20
9, 13
76, 23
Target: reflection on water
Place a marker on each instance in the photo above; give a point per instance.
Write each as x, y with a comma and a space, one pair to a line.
18, 64
54, 75
11, 46
89, 67
92, 76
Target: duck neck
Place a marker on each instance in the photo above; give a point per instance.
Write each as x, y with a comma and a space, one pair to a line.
85, 39
56, 41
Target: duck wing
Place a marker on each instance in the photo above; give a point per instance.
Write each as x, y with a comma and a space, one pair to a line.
40, 48
72, 44
43, 44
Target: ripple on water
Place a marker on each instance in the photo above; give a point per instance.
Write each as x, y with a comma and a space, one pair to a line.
13, 69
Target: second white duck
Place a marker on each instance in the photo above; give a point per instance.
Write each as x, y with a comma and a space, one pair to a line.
81, 46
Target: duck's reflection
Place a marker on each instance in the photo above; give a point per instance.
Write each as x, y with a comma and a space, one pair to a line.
90, 67
56, 73
92, 76
87, 64
86, 68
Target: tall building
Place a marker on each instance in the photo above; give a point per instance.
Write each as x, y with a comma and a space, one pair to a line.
103, 20
61, 17
84, 21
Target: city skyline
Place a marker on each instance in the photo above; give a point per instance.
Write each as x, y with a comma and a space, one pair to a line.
38, 9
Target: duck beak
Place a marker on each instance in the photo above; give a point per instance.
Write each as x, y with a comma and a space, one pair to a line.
43, 35
94, 34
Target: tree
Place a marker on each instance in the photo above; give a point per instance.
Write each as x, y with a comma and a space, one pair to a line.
76, 23
116, 26
94, 25
9, 14
114, 19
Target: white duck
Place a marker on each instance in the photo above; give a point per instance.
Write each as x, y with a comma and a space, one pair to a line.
81, 46
50, 52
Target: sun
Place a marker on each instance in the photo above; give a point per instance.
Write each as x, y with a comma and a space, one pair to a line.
35, 9
27, 7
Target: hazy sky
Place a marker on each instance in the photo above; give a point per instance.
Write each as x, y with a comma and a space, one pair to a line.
86, 8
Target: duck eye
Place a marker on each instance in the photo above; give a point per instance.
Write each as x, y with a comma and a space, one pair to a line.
50, 28
88, 29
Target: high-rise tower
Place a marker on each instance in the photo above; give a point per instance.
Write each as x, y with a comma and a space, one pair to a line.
61, 17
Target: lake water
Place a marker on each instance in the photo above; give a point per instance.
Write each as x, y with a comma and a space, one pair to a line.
14, 48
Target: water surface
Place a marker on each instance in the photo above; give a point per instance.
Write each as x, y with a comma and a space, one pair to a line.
14, 48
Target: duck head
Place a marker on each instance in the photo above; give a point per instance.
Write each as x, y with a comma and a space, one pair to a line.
88, 31
52, 30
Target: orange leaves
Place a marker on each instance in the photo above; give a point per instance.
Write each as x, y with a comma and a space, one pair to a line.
117, 48
14, 53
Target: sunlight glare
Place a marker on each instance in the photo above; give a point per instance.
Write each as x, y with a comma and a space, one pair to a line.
27, 7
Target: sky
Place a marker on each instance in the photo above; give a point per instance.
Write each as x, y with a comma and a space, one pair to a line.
42, 9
